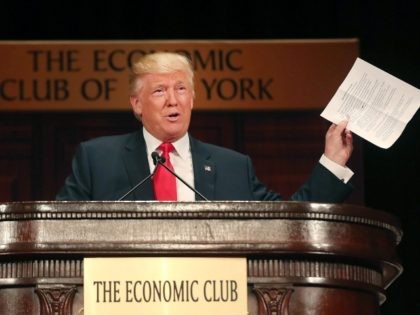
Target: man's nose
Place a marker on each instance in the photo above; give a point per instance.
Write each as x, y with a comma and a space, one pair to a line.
171, 97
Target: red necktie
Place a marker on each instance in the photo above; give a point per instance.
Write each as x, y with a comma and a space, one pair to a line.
164, 182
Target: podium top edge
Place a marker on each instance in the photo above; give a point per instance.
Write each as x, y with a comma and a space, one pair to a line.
260, 210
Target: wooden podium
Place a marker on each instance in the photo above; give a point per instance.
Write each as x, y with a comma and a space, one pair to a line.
302, 258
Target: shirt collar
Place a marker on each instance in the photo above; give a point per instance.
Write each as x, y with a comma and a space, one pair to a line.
182, 145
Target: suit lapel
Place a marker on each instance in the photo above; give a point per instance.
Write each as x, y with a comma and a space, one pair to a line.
204, 169
137, 167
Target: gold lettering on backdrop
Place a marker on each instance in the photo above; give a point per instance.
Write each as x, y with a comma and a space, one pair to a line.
231, 75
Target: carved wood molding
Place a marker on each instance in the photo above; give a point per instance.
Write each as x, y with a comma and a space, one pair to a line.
56, 299
41, 268
290, 268
272, 300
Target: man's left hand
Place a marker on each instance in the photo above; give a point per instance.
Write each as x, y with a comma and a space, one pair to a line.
338, 143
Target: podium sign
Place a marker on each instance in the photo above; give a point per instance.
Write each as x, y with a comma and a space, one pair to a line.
171, 285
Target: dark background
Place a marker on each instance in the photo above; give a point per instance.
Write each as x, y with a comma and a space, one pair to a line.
389, 35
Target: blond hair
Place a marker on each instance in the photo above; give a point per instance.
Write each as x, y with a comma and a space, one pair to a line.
159, 62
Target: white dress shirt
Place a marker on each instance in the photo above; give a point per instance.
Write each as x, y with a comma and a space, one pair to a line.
181, 160
342, 172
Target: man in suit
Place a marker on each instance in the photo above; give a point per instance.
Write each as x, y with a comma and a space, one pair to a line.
162, 97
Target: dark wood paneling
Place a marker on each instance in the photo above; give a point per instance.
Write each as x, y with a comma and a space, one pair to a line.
16, 161
284, 147
215, 127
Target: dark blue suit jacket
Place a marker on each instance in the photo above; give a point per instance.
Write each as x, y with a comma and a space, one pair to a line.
106, 168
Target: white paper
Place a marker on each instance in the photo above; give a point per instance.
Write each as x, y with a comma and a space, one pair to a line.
377, 105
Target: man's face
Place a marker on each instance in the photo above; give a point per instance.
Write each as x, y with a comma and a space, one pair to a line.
164, 104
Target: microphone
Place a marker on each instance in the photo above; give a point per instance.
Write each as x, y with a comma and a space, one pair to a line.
159, 160
144, 179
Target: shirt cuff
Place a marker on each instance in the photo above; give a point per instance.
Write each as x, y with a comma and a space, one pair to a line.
342, 172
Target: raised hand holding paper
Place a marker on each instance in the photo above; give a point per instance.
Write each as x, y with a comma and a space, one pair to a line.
377, 105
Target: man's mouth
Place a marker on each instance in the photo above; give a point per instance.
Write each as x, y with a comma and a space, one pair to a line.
173, 116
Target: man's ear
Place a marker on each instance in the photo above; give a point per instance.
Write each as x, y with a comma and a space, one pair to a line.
136, 105
192, 100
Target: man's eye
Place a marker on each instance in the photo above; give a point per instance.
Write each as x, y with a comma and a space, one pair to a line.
158, 92
181, 89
